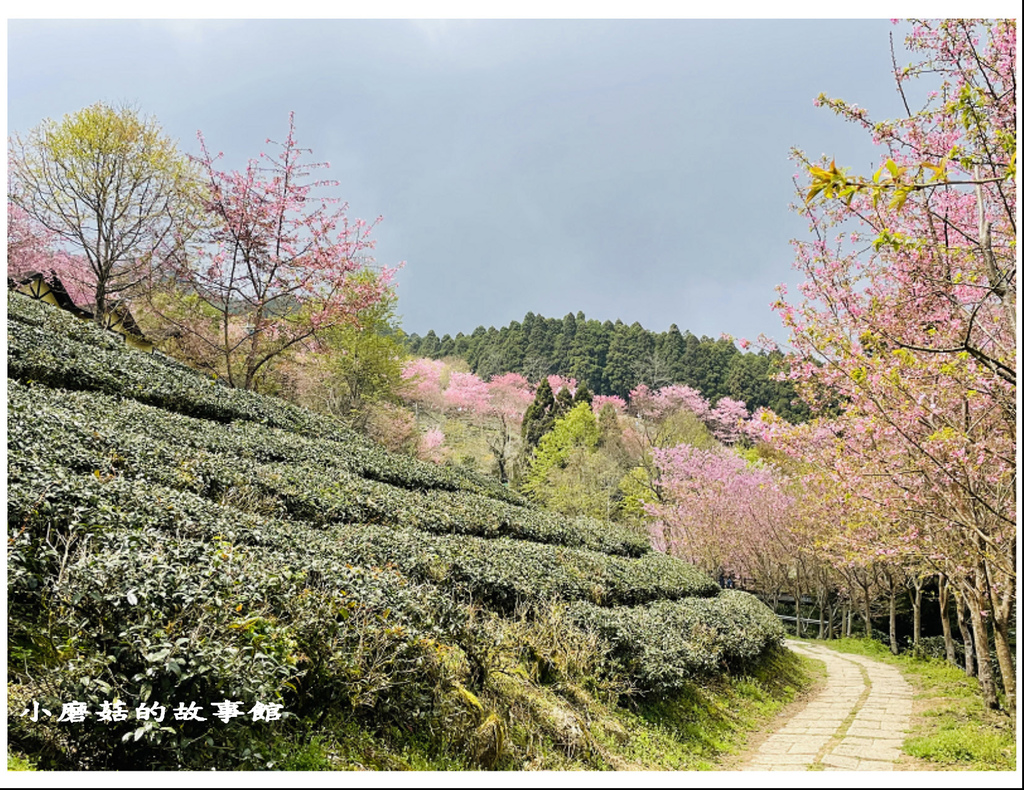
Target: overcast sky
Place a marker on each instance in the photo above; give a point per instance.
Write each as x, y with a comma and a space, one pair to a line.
632, 169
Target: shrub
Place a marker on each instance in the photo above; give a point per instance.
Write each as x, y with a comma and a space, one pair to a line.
664, 643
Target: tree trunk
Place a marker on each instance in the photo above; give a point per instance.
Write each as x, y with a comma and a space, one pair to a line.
947, 628
867, 612
1002, 610
976, 604
915, 599
100, 295
796, 601
965, 635
894, 646
1001, 637
822, 603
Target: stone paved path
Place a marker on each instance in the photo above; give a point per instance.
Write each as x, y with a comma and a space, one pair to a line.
857, 723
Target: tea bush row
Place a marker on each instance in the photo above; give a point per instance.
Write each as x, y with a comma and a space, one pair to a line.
60, 350
153, 572
501, 571
142, 614
665, 643
48, 345
504, 572
124, 589
96, 433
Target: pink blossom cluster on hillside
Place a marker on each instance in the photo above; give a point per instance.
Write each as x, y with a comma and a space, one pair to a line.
32, 249
435, 384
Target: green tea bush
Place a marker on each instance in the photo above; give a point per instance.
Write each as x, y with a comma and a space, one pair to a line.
502, 571
505, 572
307, 480
665, 643
110, 599
50, 346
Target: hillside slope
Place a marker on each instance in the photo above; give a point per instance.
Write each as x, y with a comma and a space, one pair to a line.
175, 541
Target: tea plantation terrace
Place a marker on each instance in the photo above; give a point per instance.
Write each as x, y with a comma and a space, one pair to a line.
174, 539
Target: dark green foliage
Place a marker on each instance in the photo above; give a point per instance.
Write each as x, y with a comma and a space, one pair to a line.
618, 370
546, 408
431, 346
563, 403
632, 360
583, 395
143, 603
538, 419
446, 347
666, 642
51, 347
283, 474
505, 573
612, 359
588, 352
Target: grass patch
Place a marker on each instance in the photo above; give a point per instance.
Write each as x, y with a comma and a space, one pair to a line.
953, 729
969, 744
561, 726
706, 724
345, 742
18, 762
349, 745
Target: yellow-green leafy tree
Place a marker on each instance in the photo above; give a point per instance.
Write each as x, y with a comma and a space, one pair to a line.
113, 188
569, 473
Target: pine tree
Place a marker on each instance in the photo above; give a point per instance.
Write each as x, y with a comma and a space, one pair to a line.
430, 345
583, 395
563, 403
538, 420
618, 369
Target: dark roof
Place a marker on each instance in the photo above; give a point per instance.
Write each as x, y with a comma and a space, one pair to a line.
65, 302
57, 288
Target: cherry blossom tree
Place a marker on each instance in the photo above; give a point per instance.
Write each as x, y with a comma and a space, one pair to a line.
278, 267
34, 249
617, 403
29, 244
427, 380
727, 420
719, 512
672, 415
430, 443
466, 392
497, 406
509, 396
909, 315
